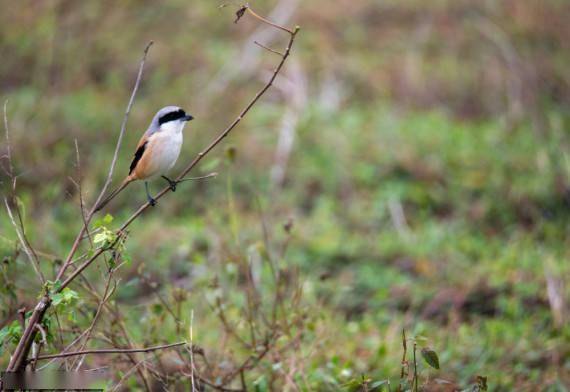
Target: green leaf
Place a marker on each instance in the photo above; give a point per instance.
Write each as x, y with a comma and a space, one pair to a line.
69, 295
377, 384
430, 357
57, 299
3, 333
12, 332
66, 297
100, 237
53, 286
108, 219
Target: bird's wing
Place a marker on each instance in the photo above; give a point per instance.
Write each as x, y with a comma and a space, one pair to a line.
139, 152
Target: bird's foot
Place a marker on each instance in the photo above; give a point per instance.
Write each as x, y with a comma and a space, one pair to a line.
151, 201
171, 183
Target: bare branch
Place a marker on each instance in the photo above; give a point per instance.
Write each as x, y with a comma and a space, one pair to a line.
262, 19
87, 220
25, 244
8, 145
112, 351
191, 350
224, 133
267, 48
18, 359
80, 191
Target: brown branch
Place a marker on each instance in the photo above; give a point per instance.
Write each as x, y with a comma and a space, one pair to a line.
80, 191
87, 220
104, 298
222, 135
127, 374
111, 351
20, 230
268, 48
24, 241
19, 356
261, 18
10, 170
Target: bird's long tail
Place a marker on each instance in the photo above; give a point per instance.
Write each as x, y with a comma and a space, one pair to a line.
114, 193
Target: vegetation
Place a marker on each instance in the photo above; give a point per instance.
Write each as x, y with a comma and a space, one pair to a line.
391, 215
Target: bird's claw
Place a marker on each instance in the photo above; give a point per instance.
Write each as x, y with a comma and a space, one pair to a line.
171, 183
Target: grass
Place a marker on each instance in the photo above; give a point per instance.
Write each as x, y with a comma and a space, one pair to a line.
405, 214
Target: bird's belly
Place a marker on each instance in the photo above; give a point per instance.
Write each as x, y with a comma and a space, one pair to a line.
165, 152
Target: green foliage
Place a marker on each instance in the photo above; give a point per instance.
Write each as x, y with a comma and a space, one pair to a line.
10, 333
430, 357
426, 189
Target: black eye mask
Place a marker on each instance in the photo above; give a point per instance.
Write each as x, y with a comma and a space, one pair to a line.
172, 116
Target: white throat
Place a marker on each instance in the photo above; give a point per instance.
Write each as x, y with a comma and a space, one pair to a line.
173, 127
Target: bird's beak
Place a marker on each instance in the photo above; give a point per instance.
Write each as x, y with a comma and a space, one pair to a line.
188, 118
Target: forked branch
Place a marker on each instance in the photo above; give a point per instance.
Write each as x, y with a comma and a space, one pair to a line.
19, 356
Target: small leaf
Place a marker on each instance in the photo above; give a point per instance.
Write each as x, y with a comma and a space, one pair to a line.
100, 237
482, 383
108, 219
430, 357
69, 295
57, 299
377, 384
3, 333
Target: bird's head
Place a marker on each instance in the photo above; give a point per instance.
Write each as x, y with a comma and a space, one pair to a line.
169, 118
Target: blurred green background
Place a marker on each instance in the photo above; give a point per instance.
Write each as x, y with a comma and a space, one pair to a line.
419, 150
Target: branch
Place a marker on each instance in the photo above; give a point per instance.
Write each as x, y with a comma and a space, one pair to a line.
268, 48
87, 220
19, 356
224, 133
113, 351
25, 244
8, 147
18, 359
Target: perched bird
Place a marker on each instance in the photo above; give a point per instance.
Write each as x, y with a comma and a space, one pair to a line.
157, 151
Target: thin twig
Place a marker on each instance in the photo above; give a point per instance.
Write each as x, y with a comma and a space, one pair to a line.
43, 342
18, 358
269, 49
111, 168
25, 244
214, 174
261, 18
404, 355
191, 350
222, 135
80, 191
127, 374
104, 299
8, 145
111, 351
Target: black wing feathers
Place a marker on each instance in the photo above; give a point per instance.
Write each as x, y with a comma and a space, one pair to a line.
138, 155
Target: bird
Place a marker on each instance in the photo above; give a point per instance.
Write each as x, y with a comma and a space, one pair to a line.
157, 151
